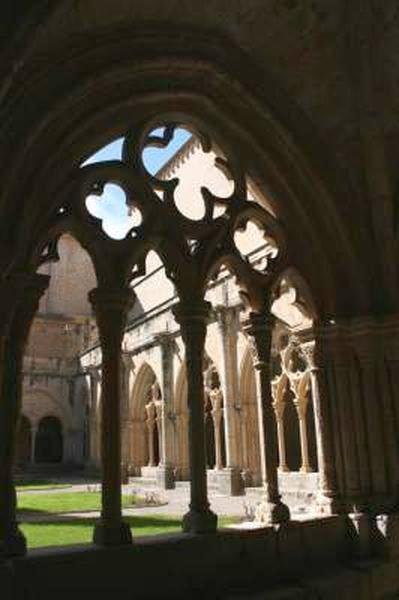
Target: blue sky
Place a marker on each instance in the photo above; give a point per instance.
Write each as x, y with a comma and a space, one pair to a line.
111, 206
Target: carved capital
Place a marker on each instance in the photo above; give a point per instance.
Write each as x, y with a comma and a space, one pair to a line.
227, 318
127, 361
312, 355
258, 327
111, 306
19, 302
193, 319
216, 397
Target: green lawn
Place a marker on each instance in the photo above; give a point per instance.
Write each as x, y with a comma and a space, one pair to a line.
65, 502
67, 530
80, 531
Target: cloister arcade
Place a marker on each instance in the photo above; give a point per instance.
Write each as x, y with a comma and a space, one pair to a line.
276, 384
291, 99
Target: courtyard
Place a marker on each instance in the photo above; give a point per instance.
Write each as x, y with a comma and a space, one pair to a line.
62, 511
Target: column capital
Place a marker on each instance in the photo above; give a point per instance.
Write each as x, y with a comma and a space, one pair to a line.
185, 312
127, 361
166, 341
259, 327
226, 316
311, 354
20, 295
112, 299
193, 319
111, 306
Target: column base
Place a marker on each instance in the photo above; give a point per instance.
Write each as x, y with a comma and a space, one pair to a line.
386, 538
112, 535
165, 477
230, 482
362, 534
199, 521
327, 505
272, 513
14, 544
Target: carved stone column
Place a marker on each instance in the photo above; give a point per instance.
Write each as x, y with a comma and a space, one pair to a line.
366, 349
93, 379
193, 321
303, 435
258, 328
111, 307
23, 292
33, 433
329, 498
125, 407
299, 385
227, 318
216, 398
150, 424
279, 407
166, 469
158, 421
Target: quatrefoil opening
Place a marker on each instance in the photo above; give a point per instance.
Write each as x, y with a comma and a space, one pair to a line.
110, 207
256, 245
188, 171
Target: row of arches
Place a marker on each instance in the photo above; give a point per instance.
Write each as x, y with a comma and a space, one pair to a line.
295, 420
43, 444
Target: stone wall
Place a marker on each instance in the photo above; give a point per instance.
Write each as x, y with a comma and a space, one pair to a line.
298, 561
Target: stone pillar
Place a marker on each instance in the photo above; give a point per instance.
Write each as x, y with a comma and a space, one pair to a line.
279, 412
93, 379
216, 398
279, 385
166, 470
125, 407
299, 385
111, 307
19, 303
258, 328
389, 365
192, 319
303, 435
227, 318
365, 346
33, 433
150, 424
329, 498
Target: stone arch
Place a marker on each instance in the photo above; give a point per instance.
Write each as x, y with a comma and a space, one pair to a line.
146, 429
249, 421
287, 168
38, 402
49, 447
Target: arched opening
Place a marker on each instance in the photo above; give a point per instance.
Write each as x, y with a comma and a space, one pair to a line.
24, 442
291, 431
145, 415
311, 433
249, 429
49, 441
256, 242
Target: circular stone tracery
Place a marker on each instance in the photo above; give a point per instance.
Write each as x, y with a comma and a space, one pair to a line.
192, 250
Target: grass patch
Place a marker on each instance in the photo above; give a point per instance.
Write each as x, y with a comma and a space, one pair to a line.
26, 485
80, 531
65, 502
